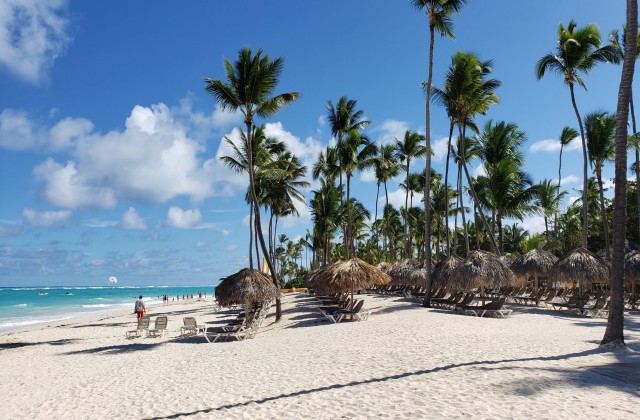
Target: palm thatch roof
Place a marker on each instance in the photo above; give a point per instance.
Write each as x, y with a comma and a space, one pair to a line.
400, 272
507, 260
385, 266
632, 267
482, 269
311, 278
442, 271
350, 275
581, 266
536, 262
246, 286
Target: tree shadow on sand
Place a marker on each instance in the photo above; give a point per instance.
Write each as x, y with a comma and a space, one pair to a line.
16, 345
579, 377
117, 349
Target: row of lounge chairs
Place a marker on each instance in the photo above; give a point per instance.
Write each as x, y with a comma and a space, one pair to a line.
143, 327
468, 303
337, 308
244, 326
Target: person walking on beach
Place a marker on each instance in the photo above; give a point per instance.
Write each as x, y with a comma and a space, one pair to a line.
139, 308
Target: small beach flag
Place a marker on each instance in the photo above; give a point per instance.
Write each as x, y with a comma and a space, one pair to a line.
265, 267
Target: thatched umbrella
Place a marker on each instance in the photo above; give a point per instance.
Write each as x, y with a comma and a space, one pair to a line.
536, 262
581, 266
507, 260
442, 271
350, 276
482, 269
385, 266
246, 287
311, 278
632, 269
400, 273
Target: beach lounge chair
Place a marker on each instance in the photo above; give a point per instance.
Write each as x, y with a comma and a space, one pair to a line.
247, 328
191, 326
143, 325
597, 309
491, 308
159, 328
336, 316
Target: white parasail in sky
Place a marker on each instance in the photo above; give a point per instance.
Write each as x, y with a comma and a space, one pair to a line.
113, 280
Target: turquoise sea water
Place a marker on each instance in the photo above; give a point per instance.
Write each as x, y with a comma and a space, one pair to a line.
22, 307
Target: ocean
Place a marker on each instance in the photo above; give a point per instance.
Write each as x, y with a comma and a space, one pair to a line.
22, 307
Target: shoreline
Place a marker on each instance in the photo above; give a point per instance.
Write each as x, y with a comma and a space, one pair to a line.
404, 361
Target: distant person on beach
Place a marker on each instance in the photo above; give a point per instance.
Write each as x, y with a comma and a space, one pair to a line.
139, 308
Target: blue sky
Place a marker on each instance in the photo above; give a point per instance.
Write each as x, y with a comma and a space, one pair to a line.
109, 146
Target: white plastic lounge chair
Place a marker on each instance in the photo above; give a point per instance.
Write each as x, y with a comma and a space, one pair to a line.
191, 327
160, 327
143, 325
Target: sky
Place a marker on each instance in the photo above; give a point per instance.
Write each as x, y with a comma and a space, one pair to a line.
110, 147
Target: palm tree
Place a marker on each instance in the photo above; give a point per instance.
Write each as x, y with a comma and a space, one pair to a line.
325, 211
578, 51
410, 147
566, 136
548, 198
614, 334
264, 149
356, 153
248, 88
620, 48
600, 130
386, 166
439, 16
327, 165
511, 193
499, 141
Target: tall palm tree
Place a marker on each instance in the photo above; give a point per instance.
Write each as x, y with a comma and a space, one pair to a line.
578, 51
325, 211
439, 16
499, 141
248, 88
620, 47
614, 333
511, 193
264, 149
327, 165
566, 136
385, 166
600, 130
356, 153
548, 199
408, 148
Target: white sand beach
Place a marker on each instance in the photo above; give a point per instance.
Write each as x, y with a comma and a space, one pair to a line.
403, 362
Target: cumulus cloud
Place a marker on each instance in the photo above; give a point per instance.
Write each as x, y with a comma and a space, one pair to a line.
183, 219
439, 148
230, 248
567, 180
152, 160
479, 171
368, 175
33, 33
553, 146
533, 224
396, 198
45, 218
389, 130
132, 220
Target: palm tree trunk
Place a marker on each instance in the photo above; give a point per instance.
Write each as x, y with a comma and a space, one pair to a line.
475, 222
461, 147
251, 234
585, 213
271, 237
255, 234
633, 127
500, 238
559, 191
391, 244
348, 232
446, 189
406, 213
614, 334
254, 199
603, 213
546, 227
484, 220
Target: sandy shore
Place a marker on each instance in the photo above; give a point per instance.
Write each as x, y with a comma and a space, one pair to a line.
404, 362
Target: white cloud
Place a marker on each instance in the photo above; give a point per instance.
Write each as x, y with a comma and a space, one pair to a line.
33, 33
397, 197
230, 248
306, 151
368, 175
151, 161
45, 218
567, 180
553, 146
132, 220
533, 224
479, 171
322, 120
183, 219
389, 130
439, 148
